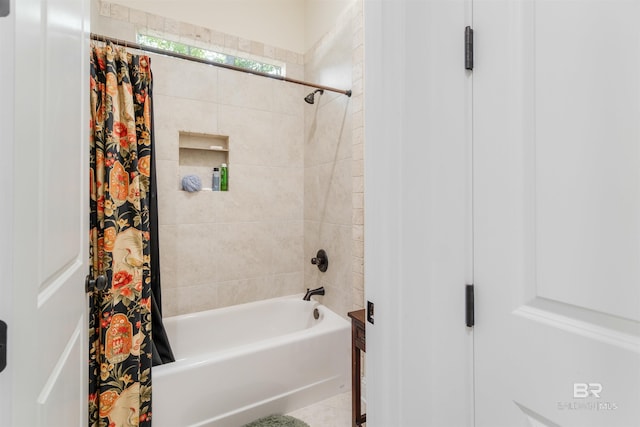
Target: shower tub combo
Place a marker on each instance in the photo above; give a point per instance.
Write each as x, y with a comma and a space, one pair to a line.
236, 364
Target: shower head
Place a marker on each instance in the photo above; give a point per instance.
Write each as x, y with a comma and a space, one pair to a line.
309, 99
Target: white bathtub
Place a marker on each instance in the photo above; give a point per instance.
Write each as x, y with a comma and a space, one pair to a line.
236, 364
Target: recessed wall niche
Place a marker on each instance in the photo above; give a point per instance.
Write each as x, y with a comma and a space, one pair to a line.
199, 153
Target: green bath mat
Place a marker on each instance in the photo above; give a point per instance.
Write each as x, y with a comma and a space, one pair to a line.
277, 421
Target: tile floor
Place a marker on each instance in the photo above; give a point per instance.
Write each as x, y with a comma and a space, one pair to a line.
332, 412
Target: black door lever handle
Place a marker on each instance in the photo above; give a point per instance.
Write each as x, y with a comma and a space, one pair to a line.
98, 284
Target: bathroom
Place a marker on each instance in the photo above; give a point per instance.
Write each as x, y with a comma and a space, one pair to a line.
491, 238
295, 168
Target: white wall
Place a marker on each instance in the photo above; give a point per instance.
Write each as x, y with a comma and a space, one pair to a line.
288, 24
320, 17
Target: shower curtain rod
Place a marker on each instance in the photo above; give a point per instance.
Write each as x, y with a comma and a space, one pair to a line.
138, 46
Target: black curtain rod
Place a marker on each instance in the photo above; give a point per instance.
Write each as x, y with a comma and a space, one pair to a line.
138, 46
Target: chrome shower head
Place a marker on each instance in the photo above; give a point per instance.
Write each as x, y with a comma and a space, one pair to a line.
309, 99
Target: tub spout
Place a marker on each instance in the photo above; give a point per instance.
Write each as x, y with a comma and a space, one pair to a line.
310, 293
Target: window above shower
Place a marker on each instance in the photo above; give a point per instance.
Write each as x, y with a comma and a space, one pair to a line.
210, 55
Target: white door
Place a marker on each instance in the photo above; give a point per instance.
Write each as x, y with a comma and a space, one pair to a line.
6, 191
49, 241
557, 213
418, 216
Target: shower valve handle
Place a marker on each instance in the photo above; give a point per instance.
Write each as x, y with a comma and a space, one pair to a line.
321, 260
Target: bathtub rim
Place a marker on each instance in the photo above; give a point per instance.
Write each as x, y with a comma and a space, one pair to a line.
331, 322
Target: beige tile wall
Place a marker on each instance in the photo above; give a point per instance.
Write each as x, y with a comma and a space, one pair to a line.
224, 248
334, 167
295, 169
357, 157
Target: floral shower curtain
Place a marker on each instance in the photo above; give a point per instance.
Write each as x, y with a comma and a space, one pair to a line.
120, 349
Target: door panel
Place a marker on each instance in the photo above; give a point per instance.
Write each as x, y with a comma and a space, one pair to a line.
50, 205
535, 420
557, 213
64, 216
54, 400
586, 173
60, 245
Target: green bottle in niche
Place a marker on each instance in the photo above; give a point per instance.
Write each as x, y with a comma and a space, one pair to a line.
224, 177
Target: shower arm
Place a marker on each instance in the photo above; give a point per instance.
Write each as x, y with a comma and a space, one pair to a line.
158, 51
